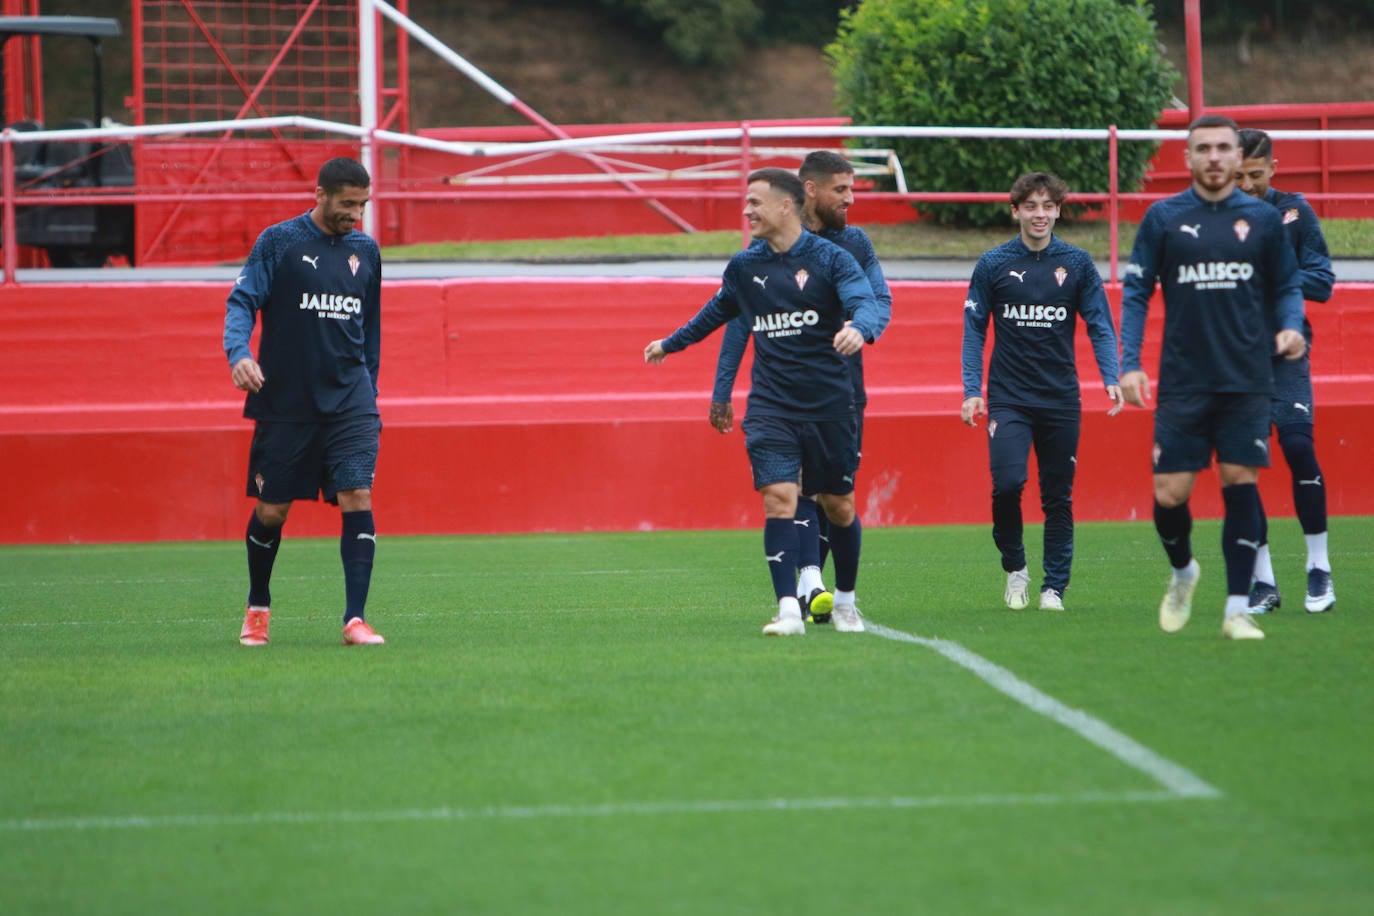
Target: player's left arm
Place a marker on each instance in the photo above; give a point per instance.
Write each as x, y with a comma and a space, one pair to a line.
372, 321
1097, 315
860, 306
1314, 258
1286, 295
873, 270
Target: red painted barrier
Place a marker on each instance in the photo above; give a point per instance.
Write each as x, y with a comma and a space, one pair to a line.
525, 405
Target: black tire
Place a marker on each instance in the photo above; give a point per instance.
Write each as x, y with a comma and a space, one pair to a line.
77, 257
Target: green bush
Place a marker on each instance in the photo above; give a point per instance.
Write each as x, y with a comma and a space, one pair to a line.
1002, 63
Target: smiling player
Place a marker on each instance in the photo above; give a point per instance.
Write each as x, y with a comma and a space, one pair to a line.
1033, 289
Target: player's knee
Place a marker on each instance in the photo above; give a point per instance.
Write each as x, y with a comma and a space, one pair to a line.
1299, 450
359, 500
273, 515
1008, 487
839, 510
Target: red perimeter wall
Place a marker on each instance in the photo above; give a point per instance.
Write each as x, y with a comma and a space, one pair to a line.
524, 405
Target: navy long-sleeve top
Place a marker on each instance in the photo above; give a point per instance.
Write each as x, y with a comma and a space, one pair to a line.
1229, 278
736, 337
1034, 300
319, 299
794, 303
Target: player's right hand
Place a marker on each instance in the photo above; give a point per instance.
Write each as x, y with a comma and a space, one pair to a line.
654, 353
723, 416
247, 375
1135, 387
972, 409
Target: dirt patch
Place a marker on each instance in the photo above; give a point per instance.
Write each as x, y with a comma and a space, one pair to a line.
571, 67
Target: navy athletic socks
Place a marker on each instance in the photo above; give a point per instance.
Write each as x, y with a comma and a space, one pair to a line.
263, 544
357, 547
1240, 532
844, 546
780, 547
1309, 490
808, 522
1175, 529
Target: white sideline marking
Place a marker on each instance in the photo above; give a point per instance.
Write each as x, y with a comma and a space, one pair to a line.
534, 812
1179, 781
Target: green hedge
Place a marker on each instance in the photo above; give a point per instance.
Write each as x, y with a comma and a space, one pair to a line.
1002, 63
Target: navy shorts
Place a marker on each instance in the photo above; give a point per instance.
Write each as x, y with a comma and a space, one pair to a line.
289, 461
1190, 427
1292, 402
821, 456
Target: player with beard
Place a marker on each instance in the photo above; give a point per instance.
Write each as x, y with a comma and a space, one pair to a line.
808, 306
829, 181
1033, 289
1229, 279
315, 281
1292, 404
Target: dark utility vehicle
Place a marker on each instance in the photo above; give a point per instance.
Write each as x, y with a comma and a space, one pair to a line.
78, 235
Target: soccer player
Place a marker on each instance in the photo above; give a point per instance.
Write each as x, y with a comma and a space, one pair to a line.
809, 306
1035, 287
1229, 280
1291, 407
829, 182
315, 280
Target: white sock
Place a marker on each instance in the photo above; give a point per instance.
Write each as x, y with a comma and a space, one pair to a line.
1264, 566
1237, 605
1187, 573
788, 607
1316, 552
809, 580
844, 599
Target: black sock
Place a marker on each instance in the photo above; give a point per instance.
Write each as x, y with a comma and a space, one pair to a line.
780, 546
263, 544
1309, 489
1240, 531
1175, 528
844, 547
357, 547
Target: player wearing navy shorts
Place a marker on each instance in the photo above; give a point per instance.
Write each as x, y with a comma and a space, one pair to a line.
808, 306
1229, 279
1292, 405
829, 181
315, 283
1033, 289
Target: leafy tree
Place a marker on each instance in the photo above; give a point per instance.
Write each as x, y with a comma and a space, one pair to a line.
1003, 63
698, 32
715, 32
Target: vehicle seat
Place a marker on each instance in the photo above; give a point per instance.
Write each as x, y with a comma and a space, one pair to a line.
28, 154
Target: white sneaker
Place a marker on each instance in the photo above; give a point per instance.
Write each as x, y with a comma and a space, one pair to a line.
1177, 605
784, 626
1241, 626
846, 619
1051, 600
1017, 595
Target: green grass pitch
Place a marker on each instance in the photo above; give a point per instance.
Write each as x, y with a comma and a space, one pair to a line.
593, 724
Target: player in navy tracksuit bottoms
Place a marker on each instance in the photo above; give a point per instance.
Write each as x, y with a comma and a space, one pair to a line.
315, 283
829, 181
1229, 278
808, 305
1033, 289
1293, 404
